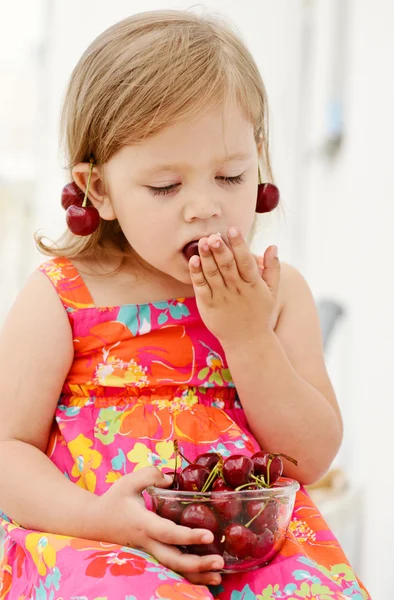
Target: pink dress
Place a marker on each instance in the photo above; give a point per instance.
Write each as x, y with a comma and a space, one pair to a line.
142, 376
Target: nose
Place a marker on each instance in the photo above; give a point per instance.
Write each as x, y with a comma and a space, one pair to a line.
201, 206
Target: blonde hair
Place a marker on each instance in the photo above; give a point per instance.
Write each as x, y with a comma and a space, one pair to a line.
142, 75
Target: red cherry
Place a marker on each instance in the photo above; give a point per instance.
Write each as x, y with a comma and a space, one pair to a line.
264, 462
264, 545
191, 249
193, 478
239, 540
216, 547
170, 509
82, 221
72, 195
200, 516
219, 485
208, 459
237, 469
227, 508
267, 515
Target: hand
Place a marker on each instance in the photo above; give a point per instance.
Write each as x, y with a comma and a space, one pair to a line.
235, 301
120, 517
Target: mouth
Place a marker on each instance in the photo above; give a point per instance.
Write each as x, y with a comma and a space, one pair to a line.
191, 249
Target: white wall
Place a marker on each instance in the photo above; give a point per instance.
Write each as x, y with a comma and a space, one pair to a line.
349, 253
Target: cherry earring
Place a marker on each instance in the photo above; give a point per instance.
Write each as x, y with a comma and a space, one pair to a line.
267, 197
81, 219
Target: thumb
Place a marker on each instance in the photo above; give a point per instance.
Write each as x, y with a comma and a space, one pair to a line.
138, 481
271, 271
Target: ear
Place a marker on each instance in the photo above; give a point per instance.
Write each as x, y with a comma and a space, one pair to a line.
97, 193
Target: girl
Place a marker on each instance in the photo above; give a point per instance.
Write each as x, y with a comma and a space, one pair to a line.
160, 324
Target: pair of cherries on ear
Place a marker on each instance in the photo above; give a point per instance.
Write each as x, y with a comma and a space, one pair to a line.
84, 220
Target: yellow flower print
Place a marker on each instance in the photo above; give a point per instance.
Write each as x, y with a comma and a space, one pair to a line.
43, 548
141, 455
301, 531
184, 402
162, 458
85, 460
118, 373
112, 476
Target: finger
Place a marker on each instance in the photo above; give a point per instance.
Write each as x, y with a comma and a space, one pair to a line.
178, 561
260, 263
246, 264
271, 271
168, 532
209, 265
139, 480
209, 578
200, 284
224, 259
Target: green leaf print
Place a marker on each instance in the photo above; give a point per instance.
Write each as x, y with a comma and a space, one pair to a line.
160, 305
175, 311
268, 593
107, 425
184, 310
162, 318
144, 319
216, 378
128, 316
203, 373
226, 375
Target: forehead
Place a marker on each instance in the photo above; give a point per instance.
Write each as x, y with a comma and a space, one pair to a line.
218, 134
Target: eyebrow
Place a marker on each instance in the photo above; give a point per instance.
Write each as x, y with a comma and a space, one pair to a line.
227, 158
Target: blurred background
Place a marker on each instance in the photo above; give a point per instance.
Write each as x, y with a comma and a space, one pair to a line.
328, 69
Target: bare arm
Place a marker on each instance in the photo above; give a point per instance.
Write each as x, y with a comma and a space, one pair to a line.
288, 399
36, 352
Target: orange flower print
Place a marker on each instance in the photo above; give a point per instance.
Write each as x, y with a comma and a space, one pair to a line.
117, 562
182, 591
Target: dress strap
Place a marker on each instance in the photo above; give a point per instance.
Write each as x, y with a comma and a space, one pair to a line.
68, 283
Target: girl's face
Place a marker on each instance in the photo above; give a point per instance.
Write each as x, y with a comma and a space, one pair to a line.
195, 178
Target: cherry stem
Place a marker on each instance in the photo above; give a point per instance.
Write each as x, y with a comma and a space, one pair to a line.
256, 515
246, 485
260, 480
88, 185
212, 476
292, 460
177, 451
268, 470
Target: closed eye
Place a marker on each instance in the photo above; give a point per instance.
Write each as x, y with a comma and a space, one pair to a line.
163, 191
231, 180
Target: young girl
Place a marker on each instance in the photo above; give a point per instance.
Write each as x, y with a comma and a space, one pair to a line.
126, 339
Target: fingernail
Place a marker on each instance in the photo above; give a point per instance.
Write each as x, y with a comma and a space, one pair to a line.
275, 252
195, 261
217, 565
215, 581
205, 247
233, 232
207, 538
168, 478
215, 243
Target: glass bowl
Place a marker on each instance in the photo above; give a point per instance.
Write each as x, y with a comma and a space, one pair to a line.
249, 525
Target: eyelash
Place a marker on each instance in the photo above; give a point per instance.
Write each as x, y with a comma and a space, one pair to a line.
163, 191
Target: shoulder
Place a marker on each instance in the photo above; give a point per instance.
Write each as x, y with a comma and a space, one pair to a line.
293, 288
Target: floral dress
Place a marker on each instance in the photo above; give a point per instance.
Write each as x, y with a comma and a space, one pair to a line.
142, 376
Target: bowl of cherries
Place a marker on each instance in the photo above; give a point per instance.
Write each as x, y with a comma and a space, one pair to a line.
243, 500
